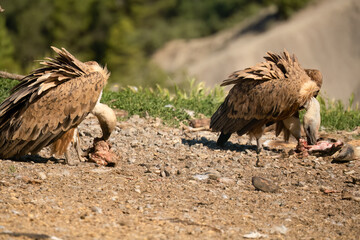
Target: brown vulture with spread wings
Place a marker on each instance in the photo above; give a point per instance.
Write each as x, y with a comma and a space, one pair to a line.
266, 93
49, 102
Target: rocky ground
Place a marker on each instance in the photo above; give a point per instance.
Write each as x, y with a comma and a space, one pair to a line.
174, 183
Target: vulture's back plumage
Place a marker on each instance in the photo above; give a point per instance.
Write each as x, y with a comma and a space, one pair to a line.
48, 102
268, 92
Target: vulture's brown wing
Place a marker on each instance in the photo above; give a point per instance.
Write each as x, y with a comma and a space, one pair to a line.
262, 71
30, 127
48, 102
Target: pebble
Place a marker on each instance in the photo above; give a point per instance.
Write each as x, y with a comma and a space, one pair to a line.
213, 175
345, 154
264, 184
255, 235
349, 172
96, 209
134, 143
131, 160
42, 175
279, 229
200, 177
55, 238
164, 173
226, 180
346, 195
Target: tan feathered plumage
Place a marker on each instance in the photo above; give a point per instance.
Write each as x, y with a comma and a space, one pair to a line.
292, 124
48, 103
268, 92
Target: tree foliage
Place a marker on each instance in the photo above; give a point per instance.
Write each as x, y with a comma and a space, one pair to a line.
120, 33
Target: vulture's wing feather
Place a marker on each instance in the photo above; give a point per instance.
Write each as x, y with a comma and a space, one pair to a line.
33, 126
48, 102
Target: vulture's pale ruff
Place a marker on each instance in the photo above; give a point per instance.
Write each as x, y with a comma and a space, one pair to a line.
49, 102
266, 93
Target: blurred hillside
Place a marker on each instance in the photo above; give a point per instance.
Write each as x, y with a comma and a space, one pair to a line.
325, 36
120, 33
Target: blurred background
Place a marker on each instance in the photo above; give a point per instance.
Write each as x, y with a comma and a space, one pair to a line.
167, 42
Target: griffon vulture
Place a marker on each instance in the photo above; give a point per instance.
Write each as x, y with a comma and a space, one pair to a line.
266, 93
48, 103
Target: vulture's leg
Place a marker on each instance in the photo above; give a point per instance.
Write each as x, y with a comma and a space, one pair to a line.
77, 146
259, 145
250, 139
286, 135
75, 142
257, 133
68, 159
292, 125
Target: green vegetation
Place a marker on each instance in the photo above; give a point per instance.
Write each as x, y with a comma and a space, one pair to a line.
5, 86
174, 107
12, 169
122, 34
335, 116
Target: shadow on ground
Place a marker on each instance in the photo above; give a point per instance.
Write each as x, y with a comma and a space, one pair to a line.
212, 144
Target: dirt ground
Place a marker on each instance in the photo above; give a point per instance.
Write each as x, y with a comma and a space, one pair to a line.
171, 183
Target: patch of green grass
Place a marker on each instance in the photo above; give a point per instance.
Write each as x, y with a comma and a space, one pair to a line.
335, 116
171, 107
5, 86
12, 169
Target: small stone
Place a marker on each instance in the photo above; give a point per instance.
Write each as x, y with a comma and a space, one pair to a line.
355, 180
279, 229
164, 173
134, 143
346, 195
264, 184
4, 183
301, 184
131, 160
349, 172
96, 209
15, 212
255, 235
226, 180
213, 175
346, 154
42, 175
200, 177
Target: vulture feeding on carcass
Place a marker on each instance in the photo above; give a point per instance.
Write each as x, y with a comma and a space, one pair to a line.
270, 92
47, 106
